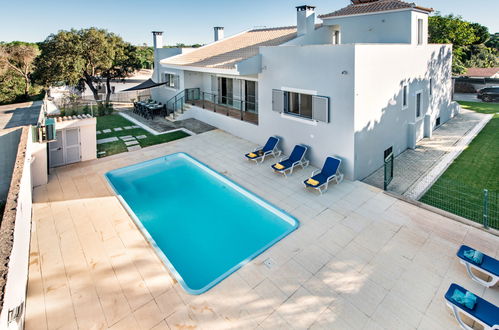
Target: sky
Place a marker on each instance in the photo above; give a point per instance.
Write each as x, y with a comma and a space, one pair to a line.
186, 21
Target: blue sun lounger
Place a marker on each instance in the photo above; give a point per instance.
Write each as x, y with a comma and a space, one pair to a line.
319, 179
270, 148
487, 265
483, 312
297, 158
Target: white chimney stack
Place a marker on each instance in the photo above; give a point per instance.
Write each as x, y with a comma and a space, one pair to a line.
305, 19
157, 39
219, 32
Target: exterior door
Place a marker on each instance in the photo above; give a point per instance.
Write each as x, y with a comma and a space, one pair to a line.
56, 152
72, 145
66, 149
226, 87
250, 95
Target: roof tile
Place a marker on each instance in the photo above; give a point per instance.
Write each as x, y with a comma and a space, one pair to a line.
372, 7
226, 53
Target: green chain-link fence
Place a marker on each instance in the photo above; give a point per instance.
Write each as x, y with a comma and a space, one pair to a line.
479, 205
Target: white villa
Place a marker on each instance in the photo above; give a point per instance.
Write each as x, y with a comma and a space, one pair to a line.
358, 85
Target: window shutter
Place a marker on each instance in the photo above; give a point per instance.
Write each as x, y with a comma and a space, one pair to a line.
214, 84
320, 108
176, 81
277, 100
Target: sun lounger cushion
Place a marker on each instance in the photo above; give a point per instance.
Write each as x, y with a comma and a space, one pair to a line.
488, 263
474, 255
483, 310
313, 182
467, 299
279, 166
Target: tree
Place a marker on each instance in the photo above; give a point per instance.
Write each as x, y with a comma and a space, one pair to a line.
88, 55
467, 38
146, 56
19, 58
493, 41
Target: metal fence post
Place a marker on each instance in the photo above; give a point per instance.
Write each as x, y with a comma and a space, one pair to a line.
485, 208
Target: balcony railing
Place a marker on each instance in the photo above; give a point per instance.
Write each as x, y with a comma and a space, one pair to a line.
232, 107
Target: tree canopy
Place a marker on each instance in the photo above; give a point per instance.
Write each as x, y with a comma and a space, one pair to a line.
90, 55
470, 41
17, 63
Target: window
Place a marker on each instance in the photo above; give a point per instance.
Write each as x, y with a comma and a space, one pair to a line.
437, 122
404, 96
388, 152
420, 31
171, 80
418, 105
301, 105
431, 86
298, 104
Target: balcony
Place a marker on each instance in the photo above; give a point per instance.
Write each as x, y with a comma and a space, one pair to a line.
245, 110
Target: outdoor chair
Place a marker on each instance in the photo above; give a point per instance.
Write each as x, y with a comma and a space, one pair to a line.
270, 148
473, 259
297, 158
319, 179
474, 307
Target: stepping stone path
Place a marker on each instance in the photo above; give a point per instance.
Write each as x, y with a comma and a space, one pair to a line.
98, 132
141, 137
133, 148
101, 153
117, 129
136, 126
111, 139
106, 131
131, 143
129, 139
128, 127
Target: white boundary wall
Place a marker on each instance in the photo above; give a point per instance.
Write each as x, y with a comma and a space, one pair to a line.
17, 277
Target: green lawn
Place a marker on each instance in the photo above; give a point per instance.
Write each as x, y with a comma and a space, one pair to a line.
460, 189
480, 107
113, 121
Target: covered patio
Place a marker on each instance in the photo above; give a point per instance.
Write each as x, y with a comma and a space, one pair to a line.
360, 259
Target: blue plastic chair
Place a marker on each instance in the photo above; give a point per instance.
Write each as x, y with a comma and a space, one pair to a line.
270, 148
330, 171
483, 312
297, 158
488, 266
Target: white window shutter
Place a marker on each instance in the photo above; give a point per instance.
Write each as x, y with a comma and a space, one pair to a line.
320, 108
277, 100
177, 81
214, 84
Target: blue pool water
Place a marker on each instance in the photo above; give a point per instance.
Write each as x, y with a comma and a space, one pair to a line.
203, 225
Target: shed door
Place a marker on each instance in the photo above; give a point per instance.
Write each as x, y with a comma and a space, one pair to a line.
72, 145
56, 153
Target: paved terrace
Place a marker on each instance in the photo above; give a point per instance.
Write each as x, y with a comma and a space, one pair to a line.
360, 259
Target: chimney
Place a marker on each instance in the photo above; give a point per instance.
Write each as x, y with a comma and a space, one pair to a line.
219, 32
305, 19
157, 39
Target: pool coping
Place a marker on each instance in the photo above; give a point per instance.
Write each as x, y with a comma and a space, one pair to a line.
248, 194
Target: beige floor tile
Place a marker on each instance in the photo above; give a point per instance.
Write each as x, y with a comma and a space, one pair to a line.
148, 315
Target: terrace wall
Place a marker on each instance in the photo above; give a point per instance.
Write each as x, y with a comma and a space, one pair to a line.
15, 238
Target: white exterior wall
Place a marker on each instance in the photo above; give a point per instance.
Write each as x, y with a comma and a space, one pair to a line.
313, 69
384, 27
380, 120
39, 172
163, 93
320, 36
17, 276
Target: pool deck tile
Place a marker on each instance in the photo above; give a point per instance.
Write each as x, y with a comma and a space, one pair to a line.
359, 260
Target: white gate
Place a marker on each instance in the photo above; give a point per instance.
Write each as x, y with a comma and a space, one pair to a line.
66, 149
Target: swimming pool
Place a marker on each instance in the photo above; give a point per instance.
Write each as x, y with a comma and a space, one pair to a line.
202, 225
